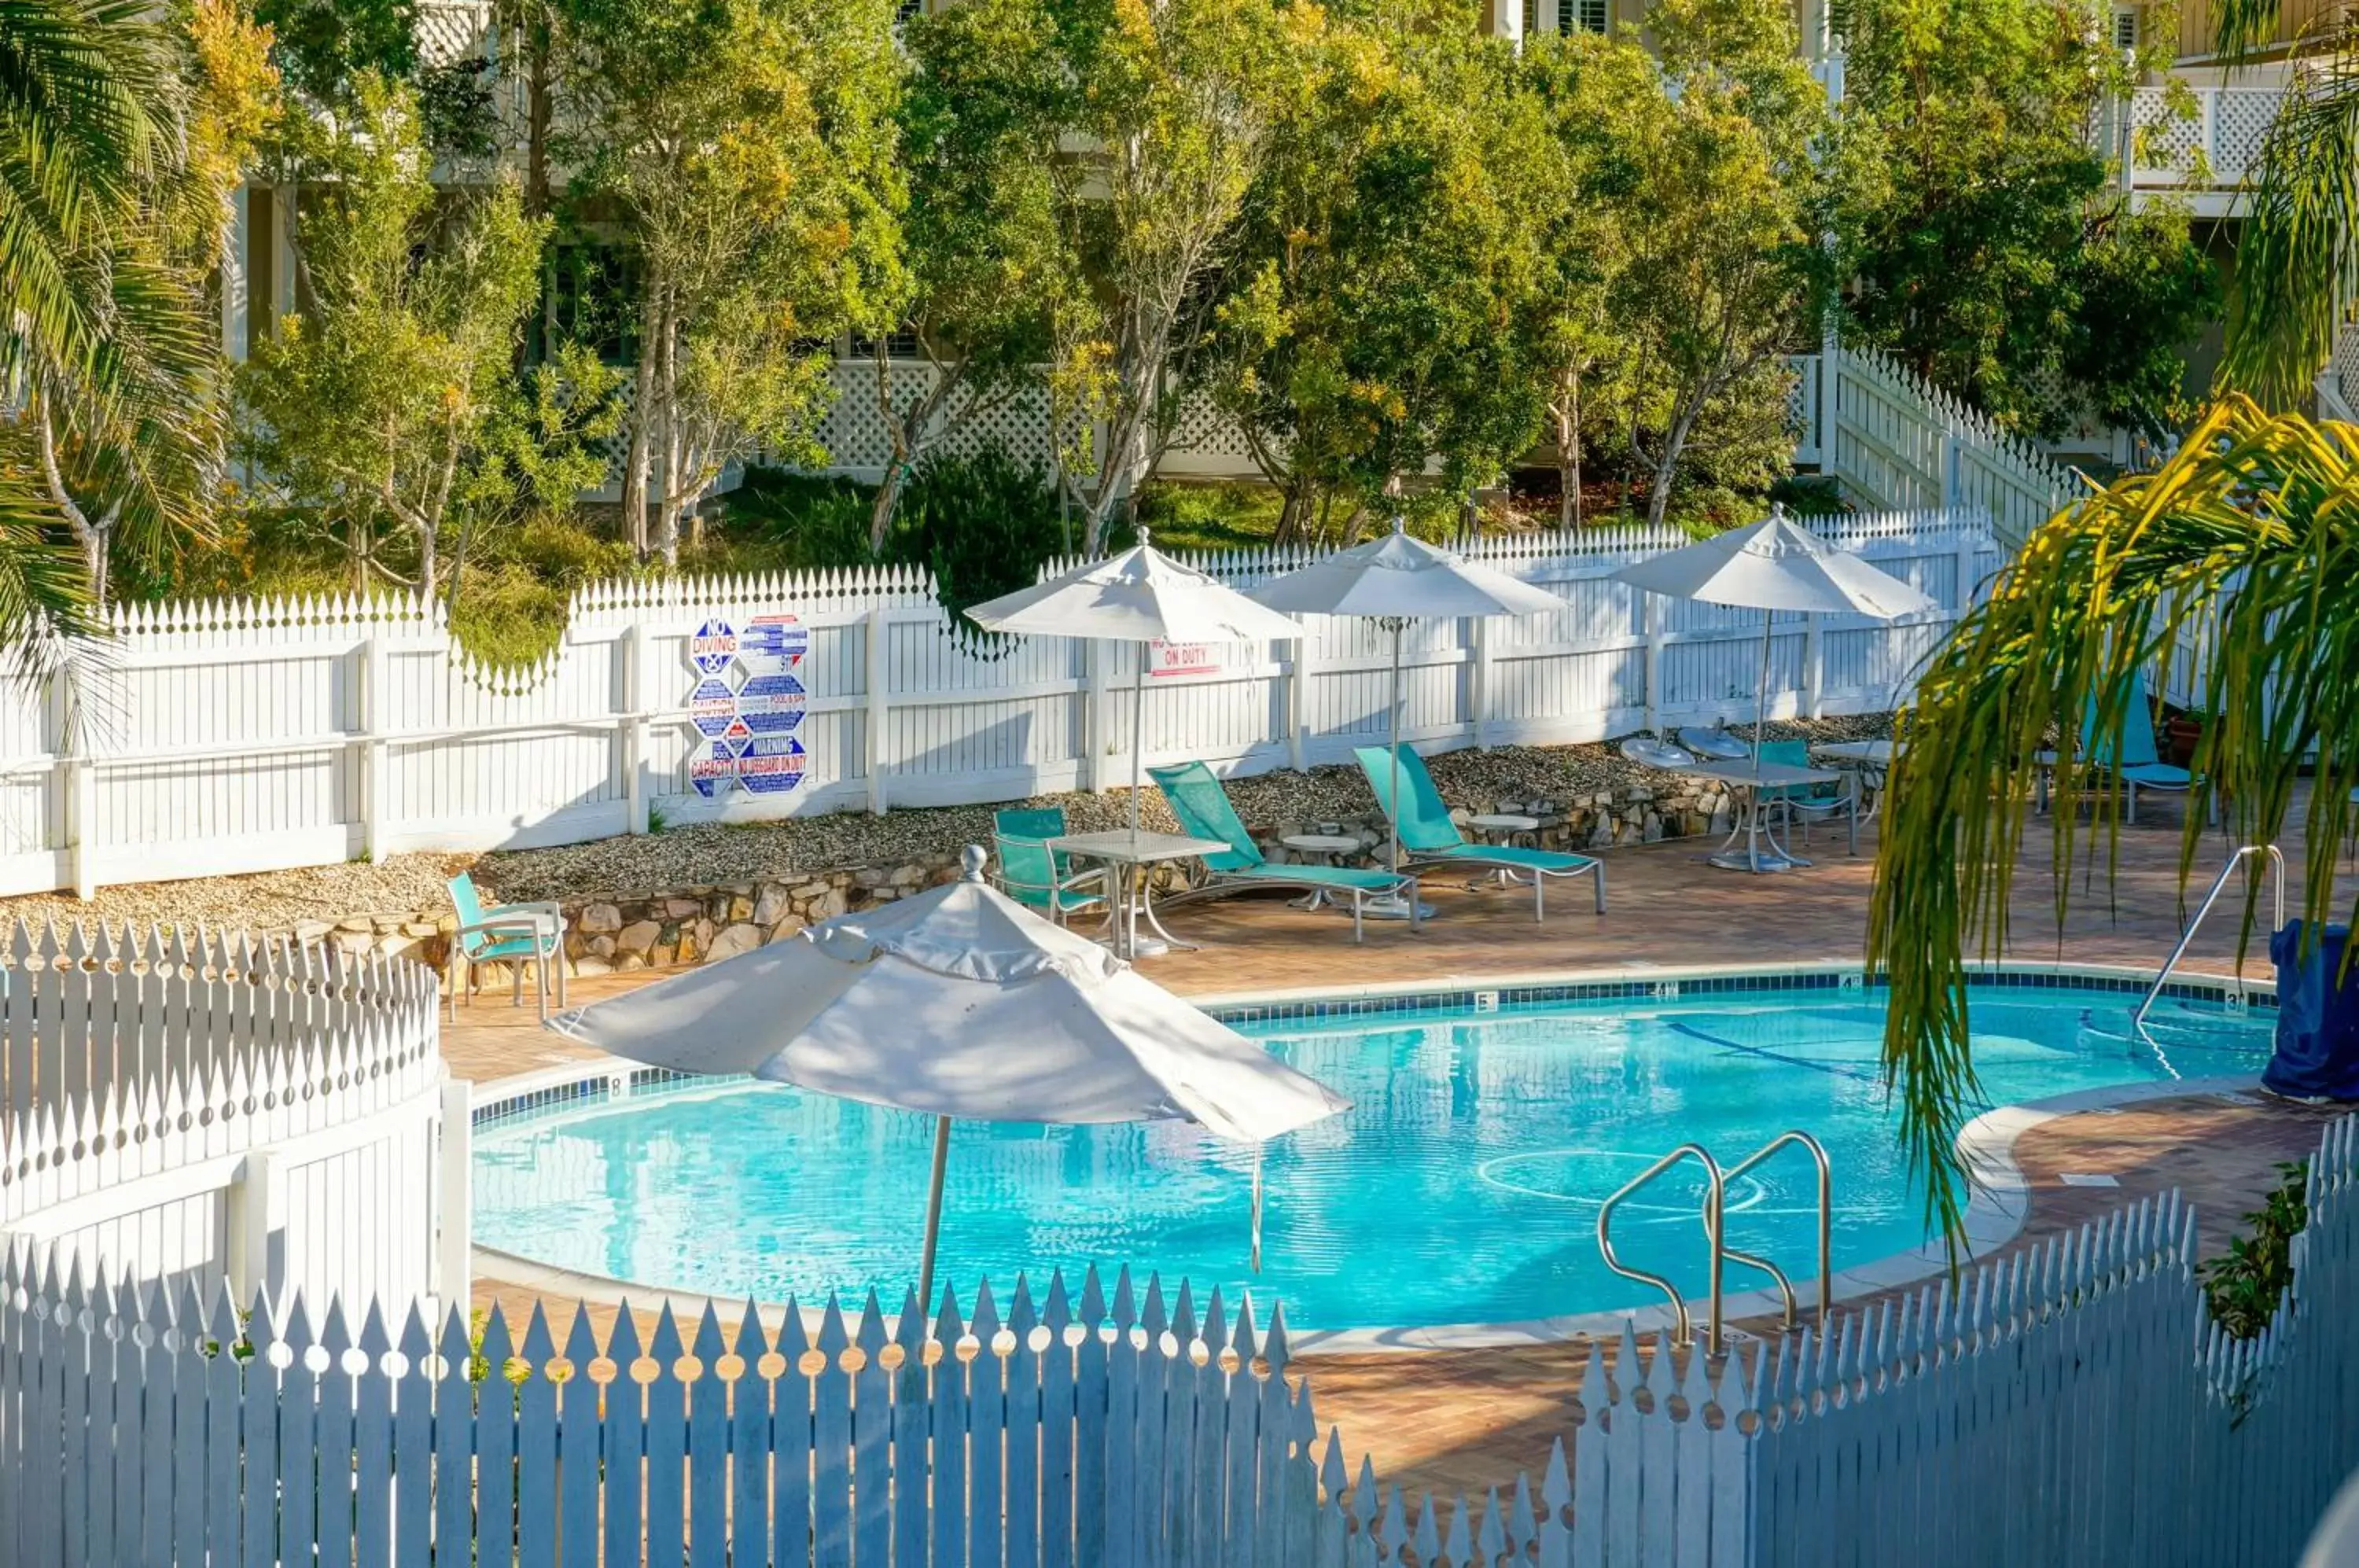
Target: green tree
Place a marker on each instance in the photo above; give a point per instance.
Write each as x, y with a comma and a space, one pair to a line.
1733, 166
377, 406
990, 266
2000, 258
1386, 249
747, 151
1589, 88
1174, 101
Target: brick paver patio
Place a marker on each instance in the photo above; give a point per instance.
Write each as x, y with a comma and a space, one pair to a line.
1470, 1418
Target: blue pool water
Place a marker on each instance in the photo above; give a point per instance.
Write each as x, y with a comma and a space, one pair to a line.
1462, 1188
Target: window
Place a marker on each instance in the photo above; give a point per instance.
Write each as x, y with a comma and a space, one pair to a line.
590, 296
1582, 15
901, 344
1531, 18
2126, 27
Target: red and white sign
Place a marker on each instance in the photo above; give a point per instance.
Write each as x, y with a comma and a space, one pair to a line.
1166, 659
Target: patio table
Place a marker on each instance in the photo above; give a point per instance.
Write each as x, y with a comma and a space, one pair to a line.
1762, 851
1129, 856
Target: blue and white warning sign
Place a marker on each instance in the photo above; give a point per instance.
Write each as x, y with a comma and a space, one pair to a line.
749, 700
779, 641
713, 647
771, 764
712, 707
772, 704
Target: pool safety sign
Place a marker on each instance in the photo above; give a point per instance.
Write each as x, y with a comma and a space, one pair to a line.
747, 705
1165, 660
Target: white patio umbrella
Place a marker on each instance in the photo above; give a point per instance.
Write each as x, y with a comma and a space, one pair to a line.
1141, 597
959, 1003
1770, 566
1392, 579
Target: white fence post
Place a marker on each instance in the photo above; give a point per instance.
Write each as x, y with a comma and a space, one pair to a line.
82, 774
1653, 670
455, 1214
1814, 665
249, 1224
1969, 553
1298, 701
880, 709
631, 736
1478, 683
375, 805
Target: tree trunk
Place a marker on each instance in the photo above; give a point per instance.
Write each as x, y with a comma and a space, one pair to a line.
668, 446
888, 496
1568, 454
1675, 440
644, 414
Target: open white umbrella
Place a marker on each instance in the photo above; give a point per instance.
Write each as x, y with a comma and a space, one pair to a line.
960, 1003
1771, 566
1140, 597
1392, 579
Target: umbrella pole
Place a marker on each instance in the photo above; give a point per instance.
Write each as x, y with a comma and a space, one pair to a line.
1257, 1210
1137, 733
1760, 722
934, 1214
1393, 865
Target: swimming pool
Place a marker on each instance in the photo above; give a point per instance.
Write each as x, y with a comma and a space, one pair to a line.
1462, 1188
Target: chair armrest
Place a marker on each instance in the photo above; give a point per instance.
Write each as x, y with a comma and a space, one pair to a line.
535, 928
549, 911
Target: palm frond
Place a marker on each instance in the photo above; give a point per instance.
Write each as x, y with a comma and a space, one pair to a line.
2250, 534
2295, 249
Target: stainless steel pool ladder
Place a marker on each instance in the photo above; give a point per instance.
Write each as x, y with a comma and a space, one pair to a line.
1714, 1229
2219, 883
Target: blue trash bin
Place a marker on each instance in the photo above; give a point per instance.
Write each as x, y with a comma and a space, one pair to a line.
2318, 1017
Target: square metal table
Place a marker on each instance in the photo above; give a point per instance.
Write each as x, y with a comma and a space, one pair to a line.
1130, 856
1762, 851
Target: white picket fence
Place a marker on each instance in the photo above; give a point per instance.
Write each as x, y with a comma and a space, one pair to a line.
1894, 440
2067, 1404
1093, 1432
196, 1109
253, 734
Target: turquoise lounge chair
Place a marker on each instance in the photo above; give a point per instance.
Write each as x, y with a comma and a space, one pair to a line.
1203, 810
1427, 835
2139, 766
1028, 873
513, 934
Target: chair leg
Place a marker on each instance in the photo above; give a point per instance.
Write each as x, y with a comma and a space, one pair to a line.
451, 971
1359, 929
1540, 895
1598, 871
557, 956
1416, 906
2133, 810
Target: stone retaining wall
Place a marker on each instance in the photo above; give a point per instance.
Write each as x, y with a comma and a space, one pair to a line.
617, 934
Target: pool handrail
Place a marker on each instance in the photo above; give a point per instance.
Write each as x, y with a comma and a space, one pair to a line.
2187, 937
1683, 1331
1826, 1220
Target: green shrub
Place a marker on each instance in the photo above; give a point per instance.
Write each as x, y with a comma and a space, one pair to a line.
983, 524
2244, 1286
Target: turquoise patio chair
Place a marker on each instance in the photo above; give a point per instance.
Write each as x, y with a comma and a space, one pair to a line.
1427, 835
1805, 803
514, 934
1029, 874
1203, 810
2139, 765
1035, 822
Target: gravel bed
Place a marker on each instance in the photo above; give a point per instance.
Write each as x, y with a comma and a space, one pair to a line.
715, 854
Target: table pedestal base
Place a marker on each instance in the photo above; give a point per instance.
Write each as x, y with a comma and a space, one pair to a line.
1393, 907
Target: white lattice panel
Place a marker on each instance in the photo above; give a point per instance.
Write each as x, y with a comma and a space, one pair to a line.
2241, 120
453, 30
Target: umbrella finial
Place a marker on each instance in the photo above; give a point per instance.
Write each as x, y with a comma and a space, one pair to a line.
971, 860
1777, 508
1400, 524
1142, 536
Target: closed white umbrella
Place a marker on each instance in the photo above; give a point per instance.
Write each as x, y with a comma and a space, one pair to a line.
1392, 579
960, 1003
1141, 597
1771, 566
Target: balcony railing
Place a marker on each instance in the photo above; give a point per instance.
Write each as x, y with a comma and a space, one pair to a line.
2216, 150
